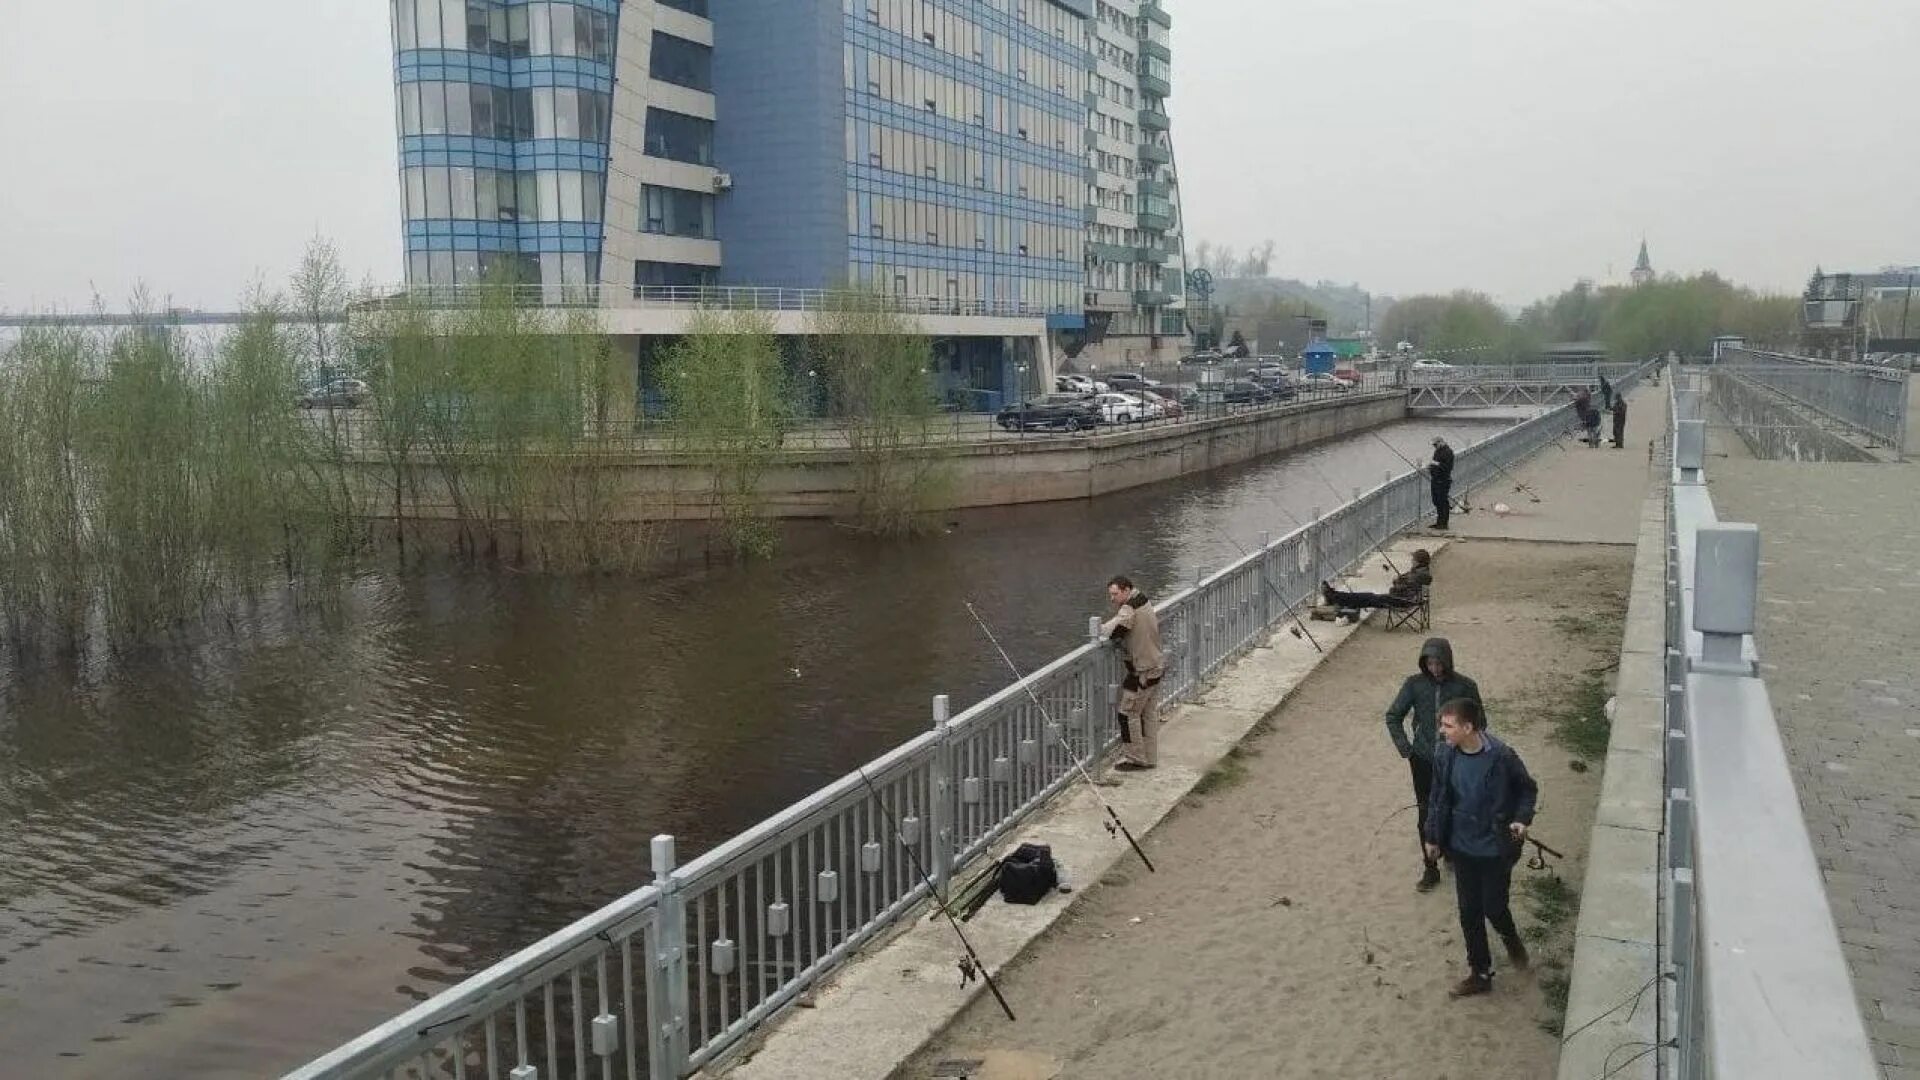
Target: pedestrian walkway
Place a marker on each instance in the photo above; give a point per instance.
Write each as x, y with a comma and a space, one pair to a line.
1282, 936
1839, 621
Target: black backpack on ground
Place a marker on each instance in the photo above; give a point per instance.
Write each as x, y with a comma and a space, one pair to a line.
1028, 875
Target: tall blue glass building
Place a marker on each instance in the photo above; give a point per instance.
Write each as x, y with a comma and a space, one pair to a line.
1003, 155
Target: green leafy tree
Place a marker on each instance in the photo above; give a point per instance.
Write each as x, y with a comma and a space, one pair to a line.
732, 404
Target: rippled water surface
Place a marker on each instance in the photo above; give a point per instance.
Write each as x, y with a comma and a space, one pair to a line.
219, 860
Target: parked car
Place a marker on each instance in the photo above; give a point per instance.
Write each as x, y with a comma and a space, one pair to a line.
1271, 370
1124, 408
337, 394
1350, 376
1079, 384
1245, 393
1129, 382
1170, 406
1428, 363
1280, 386
1204, 356
1052, 412
1323, 383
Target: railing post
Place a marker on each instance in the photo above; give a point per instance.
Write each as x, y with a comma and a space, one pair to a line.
1267, 614
940, 789
1726, 585
1098, 711
667, 995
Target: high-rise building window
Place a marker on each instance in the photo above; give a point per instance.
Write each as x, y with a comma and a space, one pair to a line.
676, 212
681, 62
653, 275
679, 137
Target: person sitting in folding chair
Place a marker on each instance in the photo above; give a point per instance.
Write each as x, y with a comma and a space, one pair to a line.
1406, 591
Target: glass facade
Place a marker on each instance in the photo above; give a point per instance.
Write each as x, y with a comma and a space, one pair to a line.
504, 112
965, 128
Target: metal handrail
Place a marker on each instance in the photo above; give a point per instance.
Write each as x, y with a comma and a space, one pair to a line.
808, 886
712, 297
1761, 988
1868, 399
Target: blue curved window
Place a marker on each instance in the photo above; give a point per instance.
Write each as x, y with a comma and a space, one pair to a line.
497, 29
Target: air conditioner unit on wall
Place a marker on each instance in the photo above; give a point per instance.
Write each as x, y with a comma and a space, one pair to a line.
723, 181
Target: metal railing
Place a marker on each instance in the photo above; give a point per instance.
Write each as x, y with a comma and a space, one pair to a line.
662, 982
367, 430
715, 297
1760, 984
1871, 400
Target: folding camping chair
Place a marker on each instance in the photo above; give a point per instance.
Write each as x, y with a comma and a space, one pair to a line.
1416, 616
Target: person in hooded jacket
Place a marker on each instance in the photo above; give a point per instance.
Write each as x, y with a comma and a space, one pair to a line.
1440, 481
1422, 695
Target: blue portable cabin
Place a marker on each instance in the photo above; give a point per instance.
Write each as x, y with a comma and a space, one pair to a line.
1319, 357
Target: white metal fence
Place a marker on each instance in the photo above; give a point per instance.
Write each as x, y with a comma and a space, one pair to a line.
660, 982
716, 297
1760, 985
1870, 400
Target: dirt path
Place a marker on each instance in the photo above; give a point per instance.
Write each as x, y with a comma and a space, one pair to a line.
1282, 936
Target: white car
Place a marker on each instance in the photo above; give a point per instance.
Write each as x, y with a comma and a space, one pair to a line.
1323, 381
1126, 408
1430, 364
1080, 384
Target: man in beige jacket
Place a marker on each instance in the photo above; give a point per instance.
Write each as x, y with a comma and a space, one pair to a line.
1135, 630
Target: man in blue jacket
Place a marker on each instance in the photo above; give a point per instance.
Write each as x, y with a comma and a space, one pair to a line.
1483, 802
1422, 695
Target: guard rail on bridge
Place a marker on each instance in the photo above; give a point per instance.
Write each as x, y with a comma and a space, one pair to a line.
1502, 386
713, 297
1761, 989
663, 981
1871, 400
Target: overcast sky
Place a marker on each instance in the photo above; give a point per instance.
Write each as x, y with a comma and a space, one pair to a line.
1406, 145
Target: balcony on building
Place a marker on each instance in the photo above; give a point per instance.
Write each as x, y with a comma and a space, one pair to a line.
1156, 220
1155, 120
1151, 298
1155, 154
1151, 10
1114, 253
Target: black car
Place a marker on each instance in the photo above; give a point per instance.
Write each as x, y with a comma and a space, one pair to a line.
1245, 393
1054, 412
1129, 381
1278, 385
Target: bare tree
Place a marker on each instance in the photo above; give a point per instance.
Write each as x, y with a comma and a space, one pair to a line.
319, 299
1260, 260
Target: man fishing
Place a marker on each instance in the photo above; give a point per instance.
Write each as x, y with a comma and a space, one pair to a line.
1403, 593
1135, 629
1482, 806
1423, 694
1440, 480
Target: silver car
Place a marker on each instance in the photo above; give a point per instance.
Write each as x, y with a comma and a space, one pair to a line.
337, 394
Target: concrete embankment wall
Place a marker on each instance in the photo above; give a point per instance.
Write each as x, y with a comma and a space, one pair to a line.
665, 485
1776, 428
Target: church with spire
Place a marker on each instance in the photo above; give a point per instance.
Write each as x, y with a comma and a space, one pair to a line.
1643, 269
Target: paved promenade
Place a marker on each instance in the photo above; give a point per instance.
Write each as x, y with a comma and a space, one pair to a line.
1839, 628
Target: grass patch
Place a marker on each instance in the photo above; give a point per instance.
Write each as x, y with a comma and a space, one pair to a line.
1226, 773
1554, 901
1579, 719
1554, 986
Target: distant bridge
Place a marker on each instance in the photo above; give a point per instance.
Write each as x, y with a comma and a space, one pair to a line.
158, 318
1505, 386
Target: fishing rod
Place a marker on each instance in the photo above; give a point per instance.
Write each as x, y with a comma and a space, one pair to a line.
1377, 545
971, 964
1113, 819
1299, 626
1459, 504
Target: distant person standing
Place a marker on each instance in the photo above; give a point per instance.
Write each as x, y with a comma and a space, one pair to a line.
1440, 480
1619, 422
1482, 805
1606, 394
1135, 631
1423, 694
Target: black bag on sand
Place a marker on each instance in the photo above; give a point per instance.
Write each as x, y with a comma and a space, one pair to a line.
1028, 875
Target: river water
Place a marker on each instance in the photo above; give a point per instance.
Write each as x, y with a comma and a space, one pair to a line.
221, 859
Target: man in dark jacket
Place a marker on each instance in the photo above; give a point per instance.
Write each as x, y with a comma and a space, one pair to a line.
1481, 808
1619, 422
1606, 393
1423, 695
1440, 479
1405, 591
